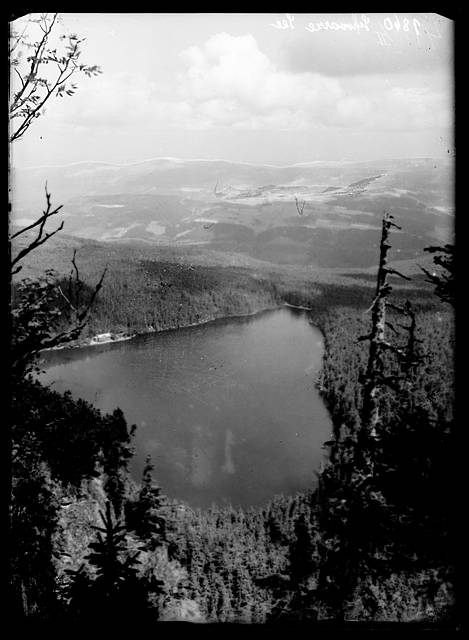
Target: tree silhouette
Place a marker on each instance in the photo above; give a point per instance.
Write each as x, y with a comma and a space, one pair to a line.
117, 590
374, 378
144, 515
43, 318
41, 70
445, 279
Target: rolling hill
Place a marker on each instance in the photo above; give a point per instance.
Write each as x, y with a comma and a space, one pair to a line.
318, 214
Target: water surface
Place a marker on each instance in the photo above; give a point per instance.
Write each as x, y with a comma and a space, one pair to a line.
228, 410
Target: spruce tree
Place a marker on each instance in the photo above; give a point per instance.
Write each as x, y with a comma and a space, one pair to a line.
117, 589
144, 515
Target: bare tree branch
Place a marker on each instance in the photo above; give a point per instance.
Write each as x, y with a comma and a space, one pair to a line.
41, 220
78, 281
300, 207
391, 326
41, 236
394, 272
33, 339
67, 300
20, 77
36, 243
97, 289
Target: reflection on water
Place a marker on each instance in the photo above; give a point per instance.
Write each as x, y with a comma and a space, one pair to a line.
228, 466
228, 410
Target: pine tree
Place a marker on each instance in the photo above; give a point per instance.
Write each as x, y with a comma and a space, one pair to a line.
352, 507
444, 281
144, 515
112, 570
117, 590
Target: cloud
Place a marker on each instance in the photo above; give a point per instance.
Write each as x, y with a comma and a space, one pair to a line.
230, 80
229, 83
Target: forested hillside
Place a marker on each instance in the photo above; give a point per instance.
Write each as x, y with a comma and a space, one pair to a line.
167, 243
287, 560
148, 289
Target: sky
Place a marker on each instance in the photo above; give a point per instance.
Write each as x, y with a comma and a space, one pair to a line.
273, 88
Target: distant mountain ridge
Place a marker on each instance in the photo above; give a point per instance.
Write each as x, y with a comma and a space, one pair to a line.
321, 213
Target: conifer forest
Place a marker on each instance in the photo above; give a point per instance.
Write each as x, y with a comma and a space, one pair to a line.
373, 539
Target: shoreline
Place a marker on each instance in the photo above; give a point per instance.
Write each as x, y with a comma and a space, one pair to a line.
296, 306
92, 342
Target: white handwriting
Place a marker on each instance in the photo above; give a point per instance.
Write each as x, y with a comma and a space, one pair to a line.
383, 26
286, 23
326, 25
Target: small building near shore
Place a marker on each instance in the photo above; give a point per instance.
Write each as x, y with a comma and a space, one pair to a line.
101, 337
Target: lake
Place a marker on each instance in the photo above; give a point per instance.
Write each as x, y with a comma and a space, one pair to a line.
228, 410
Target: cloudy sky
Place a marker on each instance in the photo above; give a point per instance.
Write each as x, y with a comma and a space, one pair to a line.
252, 87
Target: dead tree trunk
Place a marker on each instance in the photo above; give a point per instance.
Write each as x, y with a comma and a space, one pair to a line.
374, 377
411, 356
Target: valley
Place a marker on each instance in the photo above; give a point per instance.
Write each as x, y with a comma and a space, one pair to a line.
316, 214
240, 475
232, 381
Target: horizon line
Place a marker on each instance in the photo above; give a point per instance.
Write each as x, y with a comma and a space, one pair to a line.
239, 162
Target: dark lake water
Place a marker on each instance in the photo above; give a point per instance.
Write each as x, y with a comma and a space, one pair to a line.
228, 410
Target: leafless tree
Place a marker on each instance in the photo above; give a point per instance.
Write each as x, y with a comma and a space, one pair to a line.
41, 236
300, 207
411, 356
374, 377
